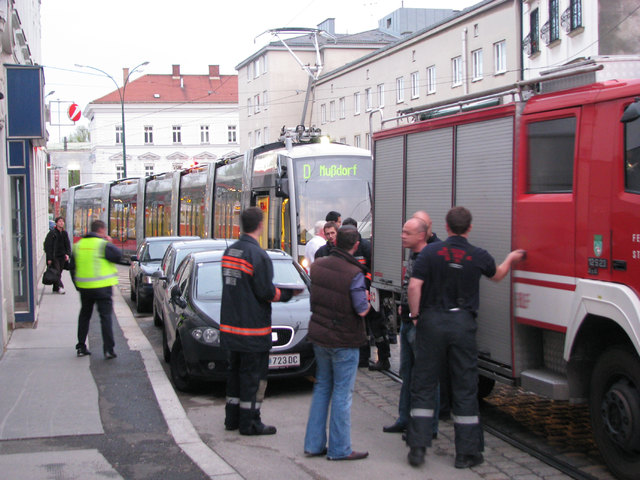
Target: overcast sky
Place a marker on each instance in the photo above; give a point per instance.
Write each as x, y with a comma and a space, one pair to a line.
114, 34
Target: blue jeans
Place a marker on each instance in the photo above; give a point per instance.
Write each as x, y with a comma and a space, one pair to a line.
336, 370
407, 360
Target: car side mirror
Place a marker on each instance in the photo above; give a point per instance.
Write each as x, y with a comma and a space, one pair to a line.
134, 258
157, 274
176, 297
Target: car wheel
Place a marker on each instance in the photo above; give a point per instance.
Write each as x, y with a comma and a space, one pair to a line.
132, 290
141, 306
157, 320
166, 353
179, 373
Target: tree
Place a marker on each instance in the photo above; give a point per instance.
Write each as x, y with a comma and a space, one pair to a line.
80, 135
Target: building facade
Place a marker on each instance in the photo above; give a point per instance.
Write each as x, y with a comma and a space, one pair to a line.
23, 211
473, 50
560, 32
171, 121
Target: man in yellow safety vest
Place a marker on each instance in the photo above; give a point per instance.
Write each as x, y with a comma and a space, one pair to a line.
94, 273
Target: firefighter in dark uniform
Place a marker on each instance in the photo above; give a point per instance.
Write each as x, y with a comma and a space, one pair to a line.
245, 325
376, 324
443, 301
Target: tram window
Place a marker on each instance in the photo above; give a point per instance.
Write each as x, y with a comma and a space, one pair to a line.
632, 156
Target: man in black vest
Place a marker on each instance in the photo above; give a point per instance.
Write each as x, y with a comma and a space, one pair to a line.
338, 306
443, 302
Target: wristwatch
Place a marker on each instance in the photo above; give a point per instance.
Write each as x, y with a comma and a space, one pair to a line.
413, 317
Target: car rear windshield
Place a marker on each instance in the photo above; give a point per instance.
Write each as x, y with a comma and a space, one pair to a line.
155, 251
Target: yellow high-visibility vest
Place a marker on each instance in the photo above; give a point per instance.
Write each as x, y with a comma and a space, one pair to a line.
93, 270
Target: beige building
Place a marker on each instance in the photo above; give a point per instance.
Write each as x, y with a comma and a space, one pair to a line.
474, 50
272, 84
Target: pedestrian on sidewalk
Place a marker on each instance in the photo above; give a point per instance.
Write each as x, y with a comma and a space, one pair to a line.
339, 305
57, 249
443, 299
94, 274
245, 325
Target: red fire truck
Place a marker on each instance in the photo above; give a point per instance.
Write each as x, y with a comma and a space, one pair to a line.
556, 173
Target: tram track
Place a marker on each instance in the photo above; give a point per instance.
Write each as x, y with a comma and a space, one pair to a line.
556, 433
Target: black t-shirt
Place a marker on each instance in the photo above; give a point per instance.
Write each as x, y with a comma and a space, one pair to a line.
451, 273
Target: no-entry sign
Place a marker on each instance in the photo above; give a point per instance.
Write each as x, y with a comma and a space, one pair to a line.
74, 112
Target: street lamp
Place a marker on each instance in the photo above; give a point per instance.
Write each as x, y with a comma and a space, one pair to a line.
121, 93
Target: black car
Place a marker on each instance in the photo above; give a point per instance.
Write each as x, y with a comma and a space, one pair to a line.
174, 255
146, 261
191, 340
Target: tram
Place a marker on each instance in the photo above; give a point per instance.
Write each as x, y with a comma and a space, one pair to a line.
295, 181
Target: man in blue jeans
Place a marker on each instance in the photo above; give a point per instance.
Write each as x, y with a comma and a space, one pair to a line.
416, 234
339, 304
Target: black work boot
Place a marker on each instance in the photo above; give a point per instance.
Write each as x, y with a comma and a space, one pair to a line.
231, 416
250, 423
416, 456
384, 352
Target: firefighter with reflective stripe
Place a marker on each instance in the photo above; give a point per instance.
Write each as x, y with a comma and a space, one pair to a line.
443, 301
245, 325
94, 274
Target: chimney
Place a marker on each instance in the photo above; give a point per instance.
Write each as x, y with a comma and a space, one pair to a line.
329, 26
214, 72
175, 71
125, 75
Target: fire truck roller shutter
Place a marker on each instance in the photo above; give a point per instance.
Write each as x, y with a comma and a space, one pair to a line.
484, 184
387, 224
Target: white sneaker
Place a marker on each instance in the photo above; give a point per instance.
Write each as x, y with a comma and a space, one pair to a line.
61, 291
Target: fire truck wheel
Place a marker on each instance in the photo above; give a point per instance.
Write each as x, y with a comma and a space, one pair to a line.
485, 385
615, 410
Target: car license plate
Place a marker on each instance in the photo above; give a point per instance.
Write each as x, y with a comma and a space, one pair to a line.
284, 360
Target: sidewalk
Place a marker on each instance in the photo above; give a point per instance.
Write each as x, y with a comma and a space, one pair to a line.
49, 398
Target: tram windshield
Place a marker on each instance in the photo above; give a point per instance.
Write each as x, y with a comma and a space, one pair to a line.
342, 184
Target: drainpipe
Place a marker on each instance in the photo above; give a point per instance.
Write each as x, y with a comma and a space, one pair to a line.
465, 76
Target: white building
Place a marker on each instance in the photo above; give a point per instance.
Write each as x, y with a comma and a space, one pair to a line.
171, 121
559, 32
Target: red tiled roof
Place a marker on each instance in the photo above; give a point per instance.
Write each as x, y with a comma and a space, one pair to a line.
166, 88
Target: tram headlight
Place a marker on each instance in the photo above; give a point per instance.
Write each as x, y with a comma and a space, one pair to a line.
304, 262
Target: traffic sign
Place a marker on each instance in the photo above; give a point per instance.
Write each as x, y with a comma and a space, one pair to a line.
74, 112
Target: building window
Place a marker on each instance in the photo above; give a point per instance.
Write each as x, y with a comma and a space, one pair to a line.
554, 27
476, 30
415, 85
232, 134
399, 89
323, 113
119, 172
456, 71
265, 103
266, 135
500, 56
342, 105
256, 103
148, 134
256, 68
476, 61
118, 134
343, 140
367, 141
258, 135
176, 166
381, 95
368, 99
576, 14
177, 134
148, 170
551, 151
249, 107
264, 64
356, 140
204, 133
431, 79
250, 140
332, 110
533, 32
356, 103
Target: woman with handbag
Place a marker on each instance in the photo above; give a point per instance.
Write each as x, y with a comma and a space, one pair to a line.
57, 249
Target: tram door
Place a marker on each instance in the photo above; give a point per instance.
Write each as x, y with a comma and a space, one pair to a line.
277, 231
